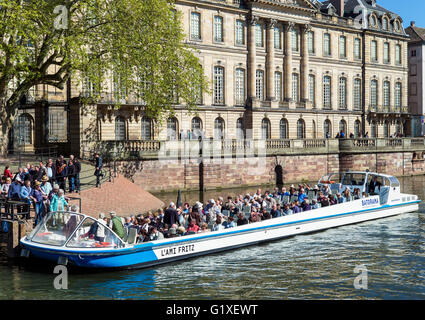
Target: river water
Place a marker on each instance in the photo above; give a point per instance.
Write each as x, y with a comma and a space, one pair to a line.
389, 252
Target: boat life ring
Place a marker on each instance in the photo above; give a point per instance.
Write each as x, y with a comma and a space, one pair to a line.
45, 234
327, 182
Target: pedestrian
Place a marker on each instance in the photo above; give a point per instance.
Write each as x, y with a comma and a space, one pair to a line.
98, 172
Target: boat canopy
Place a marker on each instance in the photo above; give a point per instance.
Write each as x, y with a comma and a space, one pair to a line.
74, 230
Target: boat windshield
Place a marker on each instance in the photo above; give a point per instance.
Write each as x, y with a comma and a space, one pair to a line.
354, 179
56, 228
94, 234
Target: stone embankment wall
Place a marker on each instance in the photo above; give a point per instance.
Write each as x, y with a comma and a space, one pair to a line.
171, 174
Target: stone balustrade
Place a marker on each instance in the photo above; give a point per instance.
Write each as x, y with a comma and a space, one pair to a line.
191, 149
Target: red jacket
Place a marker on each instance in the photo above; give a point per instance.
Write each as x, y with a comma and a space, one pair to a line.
8, 174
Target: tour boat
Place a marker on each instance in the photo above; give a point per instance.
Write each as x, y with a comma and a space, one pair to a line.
62, 236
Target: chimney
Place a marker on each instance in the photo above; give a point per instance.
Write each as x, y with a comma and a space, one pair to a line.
339, 6
412, 23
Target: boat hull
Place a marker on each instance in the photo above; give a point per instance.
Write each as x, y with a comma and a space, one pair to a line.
167, 250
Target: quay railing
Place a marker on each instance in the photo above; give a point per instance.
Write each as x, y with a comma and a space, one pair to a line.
154, 149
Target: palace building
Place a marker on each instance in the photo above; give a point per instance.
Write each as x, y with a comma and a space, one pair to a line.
278, 69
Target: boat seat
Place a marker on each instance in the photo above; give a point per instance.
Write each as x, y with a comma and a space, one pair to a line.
132, 235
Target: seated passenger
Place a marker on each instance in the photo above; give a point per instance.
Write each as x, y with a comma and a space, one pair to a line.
241, 219
156, 235
306, 205
315, 204
332, 200
301, 195
265, 215
347, 194
340, 198
231, 223
326, 190
192, 226
218, 226
324, 201
204, 227
181, 231
275, 212
172, 233
357, 194
254, 217
286, 210
295, 207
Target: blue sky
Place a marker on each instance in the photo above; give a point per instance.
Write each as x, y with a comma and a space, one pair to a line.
409, 10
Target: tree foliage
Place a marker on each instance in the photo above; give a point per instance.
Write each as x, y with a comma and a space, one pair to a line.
138, 45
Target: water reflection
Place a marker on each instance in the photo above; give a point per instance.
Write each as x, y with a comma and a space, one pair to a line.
314, 266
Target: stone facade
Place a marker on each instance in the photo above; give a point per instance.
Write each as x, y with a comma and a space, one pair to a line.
416, 56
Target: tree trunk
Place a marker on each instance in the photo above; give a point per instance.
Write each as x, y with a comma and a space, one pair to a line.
5, 127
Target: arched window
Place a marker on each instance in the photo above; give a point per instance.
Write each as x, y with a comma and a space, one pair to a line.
386, 92
146, 128
120, 130
284, 129
265, 129
357, 128
301, 129
343, 127
259, 85
397, 95
295, 87
219, 85
240, 133
342, 93
240, 87
398, 127
218, 128
386, 129
327, 128
24, 128
172, 129
373, 128
196, 127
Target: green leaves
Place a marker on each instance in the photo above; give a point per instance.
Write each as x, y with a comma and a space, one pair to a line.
139, 44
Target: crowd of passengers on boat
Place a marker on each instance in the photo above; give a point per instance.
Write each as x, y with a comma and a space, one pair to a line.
216, 215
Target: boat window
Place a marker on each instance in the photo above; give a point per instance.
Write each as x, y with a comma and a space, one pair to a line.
56, 228
331, 178
354, 179
387, 182
94, 234
394, 182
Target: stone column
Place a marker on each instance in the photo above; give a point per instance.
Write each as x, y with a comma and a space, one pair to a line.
304, 62
252, 22
288, 61
270, 66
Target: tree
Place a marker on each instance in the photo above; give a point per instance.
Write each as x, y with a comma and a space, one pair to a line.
139, 44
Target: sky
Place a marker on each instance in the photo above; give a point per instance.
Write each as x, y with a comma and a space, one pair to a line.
408, 10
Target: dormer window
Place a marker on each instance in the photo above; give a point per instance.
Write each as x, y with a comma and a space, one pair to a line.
331, 10
397, 26
373, 21
384, 23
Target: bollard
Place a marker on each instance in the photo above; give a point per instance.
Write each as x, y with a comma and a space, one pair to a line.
16, 232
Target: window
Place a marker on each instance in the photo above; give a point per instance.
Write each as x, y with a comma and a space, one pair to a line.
294, 39
343, 127
313, 129
172, 129
278, 86
327, 44
342, 93
218, 29
374, 51
195, 26
327, 128
218, 128
259, 35
385, 23
295, 90
374, 93
259, 85
342, 47
373, 129
386, 93
413, 53
397, 94
24, 129
357, 129
357, 48
265, 129
57, 124
196, 128
398, 54
386, 129
240, 33
386, 52
327, 92
300, 129
312, 89
146, 128
240, 87
240, 129
398, 127
310, 39
277, 38
284, 128
120, 133
218, 85
357, 94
